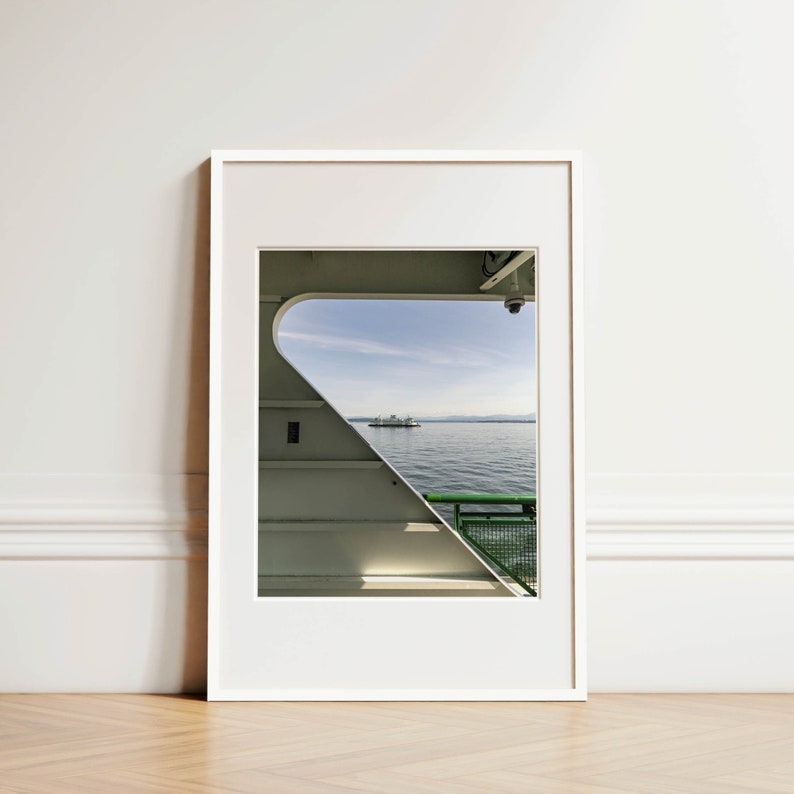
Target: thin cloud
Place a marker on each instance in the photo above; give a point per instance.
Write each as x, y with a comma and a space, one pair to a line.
346, 344
349, 344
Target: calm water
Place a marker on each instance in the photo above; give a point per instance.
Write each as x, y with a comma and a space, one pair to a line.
460, 457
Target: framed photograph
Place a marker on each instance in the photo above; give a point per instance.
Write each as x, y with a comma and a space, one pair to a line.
359, 551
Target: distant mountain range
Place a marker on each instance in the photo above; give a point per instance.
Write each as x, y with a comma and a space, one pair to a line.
488, 418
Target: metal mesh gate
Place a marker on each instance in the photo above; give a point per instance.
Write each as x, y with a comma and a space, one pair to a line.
512, 544
508, 540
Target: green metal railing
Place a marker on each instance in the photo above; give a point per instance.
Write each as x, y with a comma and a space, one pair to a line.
507, 539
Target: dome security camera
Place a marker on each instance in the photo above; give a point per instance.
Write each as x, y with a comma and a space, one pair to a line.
514, 301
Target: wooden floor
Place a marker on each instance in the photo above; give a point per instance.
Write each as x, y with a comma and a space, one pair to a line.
723, 744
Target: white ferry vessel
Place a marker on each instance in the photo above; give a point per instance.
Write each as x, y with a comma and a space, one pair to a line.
394, 421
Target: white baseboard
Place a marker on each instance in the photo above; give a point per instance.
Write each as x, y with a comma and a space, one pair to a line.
689, 583
103, 578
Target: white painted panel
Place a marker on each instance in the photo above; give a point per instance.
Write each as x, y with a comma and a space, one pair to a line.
102, 625
662, 625
690, 582
103, 583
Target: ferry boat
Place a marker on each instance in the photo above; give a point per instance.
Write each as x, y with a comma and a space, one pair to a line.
394, 421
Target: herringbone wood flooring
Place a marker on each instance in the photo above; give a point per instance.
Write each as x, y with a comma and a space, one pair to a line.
725, 744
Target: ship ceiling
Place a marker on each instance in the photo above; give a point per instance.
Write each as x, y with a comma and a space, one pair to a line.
428, 274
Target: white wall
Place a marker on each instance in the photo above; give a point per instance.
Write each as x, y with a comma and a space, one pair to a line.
110, 109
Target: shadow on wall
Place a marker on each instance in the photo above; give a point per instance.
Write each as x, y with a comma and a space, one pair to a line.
196, 452
197, 429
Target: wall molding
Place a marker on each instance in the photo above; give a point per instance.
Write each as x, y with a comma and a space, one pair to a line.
690, 516
629, 517
95, 517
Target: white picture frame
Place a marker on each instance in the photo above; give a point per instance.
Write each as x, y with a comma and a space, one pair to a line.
345, 649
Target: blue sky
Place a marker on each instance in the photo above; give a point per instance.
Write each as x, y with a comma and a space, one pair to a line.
424, 358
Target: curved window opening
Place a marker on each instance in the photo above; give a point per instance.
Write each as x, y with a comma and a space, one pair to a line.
464, 371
